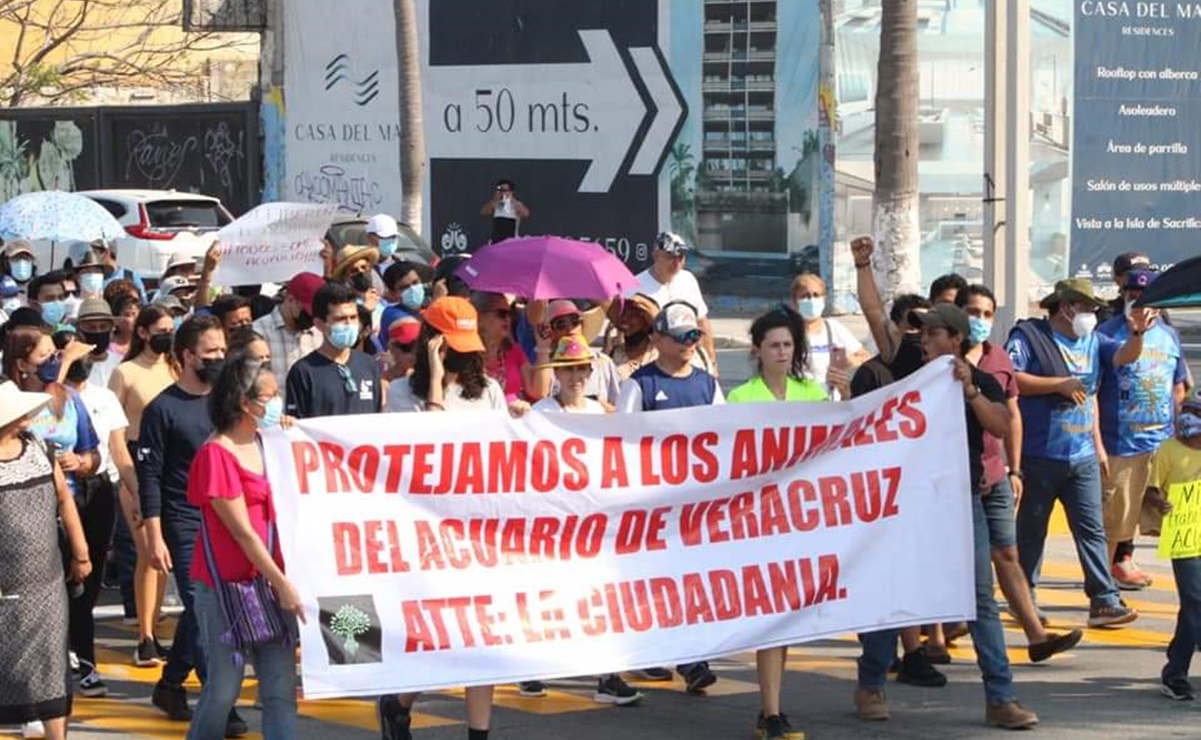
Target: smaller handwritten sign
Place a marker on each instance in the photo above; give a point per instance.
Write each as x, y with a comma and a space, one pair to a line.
1180, 536
273, 242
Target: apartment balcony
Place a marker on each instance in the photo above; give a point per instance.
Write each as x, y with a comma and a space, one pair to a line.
729, 85
725, 27
726, 57
728, 114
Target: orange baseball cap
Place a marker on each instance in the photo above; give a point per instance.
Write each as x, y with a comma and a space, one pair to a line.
456, 319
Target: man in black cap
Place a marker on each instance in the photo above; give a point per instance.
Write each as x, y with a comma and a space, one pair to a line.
945, 332
1058, 363
1122, 264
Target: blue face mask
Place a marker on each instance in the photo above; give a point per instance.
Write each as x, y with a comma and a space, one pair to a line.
413, 297
1190, 425
48, 370
11, 304
273, 411
177, 321
344, 336
22, 270
91, 283
981, 330
387, 247
53, 312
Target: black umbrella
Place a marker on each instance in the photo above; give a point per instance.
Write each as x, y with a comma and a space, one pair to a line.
1178, 287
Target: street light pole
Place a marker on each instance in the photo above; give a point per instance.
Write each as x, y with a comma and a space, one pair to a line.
1007, 158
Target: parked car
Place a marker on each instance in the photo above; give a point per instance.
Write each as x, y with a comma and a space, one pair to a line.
351, 229
158, 224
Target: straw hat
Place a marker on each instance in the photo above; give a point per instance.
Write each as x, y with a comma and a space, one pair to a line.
571, 350
351, 254
16, 403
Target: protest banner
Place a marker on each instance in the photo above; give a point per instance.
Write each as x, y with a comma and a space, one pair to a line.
468, 548
1180, 535
273, 242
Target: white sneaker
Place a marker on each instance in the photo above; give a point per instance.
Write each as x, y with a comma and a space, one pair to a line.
33, 730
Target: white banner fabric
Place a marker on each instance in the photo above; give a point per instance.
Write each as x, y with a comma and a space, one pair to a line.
273, 242
342, 103
454, 549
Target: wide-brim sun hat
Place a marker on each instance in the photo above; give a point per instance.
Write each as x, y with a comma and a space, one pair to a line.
1072, 290
571, 350
351, 254
16, 404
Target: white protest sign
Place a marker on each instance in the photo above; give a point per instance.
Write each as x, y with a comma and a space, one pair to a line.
273, 242
469, 548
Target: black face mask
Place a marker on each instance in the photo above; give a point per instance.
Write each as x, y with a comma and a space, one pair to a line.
79, 370
456, 362
909, 356
635, 339
99, 339
160, 344
361, 282
209, 369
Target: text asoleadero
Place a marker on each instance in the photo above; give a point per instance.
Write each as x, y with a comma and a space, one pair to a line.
830, 501
545, 466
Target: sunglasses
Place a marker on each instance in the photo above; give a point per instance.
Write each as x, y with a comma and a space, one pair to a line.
687, 338
563, 323
348, 381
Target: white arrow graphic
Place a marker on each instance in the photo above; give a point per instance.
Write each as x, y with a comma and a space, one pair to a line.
671, 110
588, 111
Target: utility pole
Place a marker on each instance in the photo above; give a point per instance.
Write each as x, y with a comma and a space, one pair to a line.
271, 100
827, 117
1007, 158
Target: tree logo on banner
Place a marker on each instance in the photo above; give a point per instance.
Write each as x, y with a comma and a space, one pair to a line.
350, 629
338, 70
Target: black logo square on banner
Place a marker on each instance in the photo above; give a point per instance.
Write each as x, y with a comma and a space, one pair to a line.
351, 630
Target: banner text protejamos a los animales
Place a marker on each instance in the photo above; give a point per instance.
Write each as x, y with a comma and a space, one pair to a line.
439, 550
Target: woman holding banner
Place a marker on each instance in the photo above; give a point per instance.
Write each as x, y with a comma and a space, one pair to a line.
244, 603
449, 376
778, 343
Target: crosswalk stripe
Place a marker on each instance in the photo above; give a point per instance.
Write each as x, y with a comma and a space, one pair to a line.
136, 719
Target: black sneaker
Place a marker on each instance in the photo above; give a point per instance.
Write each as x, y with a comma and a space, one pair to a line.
652, 674
90, 683
146, 655
1054, 644
235, 726
394, 720
173, 700
1177, 689
699, 677
916, 670
160, 650
775, 727
612, 690
532, 689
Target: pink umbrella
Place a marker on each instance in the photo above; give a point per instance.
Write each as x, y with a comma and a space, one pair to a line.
547, 267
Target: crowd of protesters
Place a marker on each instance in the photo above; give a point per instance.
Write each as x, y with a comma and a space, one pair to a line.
129, 436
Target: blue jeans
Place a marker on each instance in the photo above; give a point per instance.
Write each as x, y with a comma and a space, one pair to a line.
998, 511
1078, 487
125, 555
1188, 622
186, 650
879, 648
274, 666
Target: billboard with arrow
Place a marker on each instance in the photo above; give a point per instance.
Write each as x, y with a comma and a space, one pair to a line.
612, 120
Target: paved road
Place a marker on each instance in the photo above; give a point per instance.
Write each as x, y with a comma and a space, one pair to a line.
1104, 689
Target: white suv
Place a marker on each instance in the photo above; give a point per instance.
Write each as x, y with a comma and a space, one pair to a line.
158, 224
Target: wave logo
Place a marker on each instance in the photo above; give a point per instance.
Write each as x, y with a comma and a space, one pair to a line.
340, 70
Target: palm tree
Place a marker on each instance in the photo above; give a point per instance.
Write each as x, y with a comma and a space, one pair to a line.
896, 202
412, 131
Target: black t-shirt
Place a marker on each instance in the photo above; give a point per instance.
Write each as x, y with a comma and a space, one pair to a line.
174, 426
993, 391
871, 375
318, 387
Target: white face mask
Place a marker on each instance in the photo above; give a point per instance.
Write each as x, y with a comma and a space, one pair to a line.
1083, 323
811, 308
